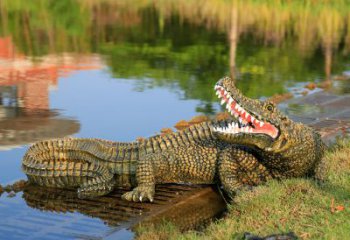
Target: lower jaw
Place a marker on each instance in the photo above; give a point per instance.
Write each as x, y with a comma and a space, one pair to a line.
258, 141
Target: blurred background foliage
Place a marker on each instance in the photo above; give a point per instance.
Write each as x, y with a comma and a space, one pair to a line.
188, 44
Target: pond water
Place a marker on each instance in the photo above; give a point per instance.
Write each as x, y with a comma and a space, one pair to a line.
117, 70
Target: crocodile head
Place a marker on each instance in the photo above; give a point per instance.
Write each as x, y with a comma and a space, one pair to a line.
257, 123
260, 125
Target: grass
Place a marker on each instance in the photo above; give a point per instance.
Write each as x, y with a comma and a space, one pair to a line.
309, 208
311, 22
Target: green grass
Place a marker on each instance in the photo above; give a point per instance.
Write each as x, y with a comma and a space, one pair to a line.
309, 208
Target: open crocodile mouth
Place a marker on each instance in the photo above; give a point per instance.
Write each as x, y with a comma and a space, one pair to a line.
247, 122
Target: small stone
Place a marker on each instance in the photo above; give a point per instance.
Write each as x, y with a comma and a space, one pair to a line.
340, 78
182, 125
325, 84
278, 98
11, 194
140, 139
19, 185
344, 76
198, 119
165, 131
310, 86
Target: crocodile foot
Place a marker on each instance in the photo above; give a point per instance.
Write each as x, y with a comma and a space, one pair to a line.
142, 193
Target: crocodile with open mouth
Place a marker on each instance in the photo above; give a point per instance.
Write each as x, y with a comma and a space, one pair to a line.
257, 144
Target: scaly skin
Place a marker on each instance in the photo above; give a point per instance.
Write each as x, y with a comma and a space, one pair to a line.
234, 156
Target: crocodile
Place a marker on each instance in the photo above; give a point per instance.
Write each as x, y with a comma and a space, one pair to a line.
257, 143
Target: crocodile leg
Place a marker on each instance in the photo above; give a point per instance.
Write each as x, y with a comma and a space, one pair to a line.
239, 169
97, 186
145, 177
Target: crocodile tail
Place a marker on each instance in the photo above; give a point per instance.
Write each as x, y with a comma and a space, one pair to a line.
70, 162
67, 148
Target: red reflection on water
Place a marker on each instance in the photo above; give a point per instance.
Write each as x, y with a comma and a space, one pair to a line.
33, 77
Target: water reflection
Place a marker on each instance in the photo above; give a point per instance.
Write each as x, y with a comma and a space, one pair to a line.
111, 209
171, 42
94, 59
18, 128
120, 214
25, 116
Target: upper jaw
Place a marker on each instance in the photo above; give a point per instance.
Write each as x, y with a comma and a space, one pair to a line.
248, 122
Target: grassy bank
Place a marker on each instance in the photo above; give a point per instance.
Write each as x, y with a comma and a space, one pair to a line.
310, 209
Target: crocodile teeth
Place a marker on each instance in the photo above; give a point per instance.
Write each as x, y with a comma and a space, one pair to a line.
261, 123
234, 128
247, 123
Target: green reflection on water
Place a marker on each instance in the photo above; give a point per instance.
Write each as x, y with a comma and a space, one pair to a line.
186, 45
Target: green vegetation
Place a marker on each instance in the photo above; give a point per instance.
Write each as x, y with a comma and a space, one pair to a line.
185, 43
43, 27
311, 209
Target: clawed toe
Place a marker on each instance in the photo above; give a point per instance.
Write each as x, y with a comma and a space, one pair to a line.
140, 194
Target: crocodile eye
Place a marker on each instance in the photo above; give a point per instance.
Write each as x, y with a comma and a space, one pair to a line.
269, 107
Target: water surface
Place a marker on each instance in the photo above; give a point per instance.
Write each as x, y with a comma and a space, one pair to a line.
118, 70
